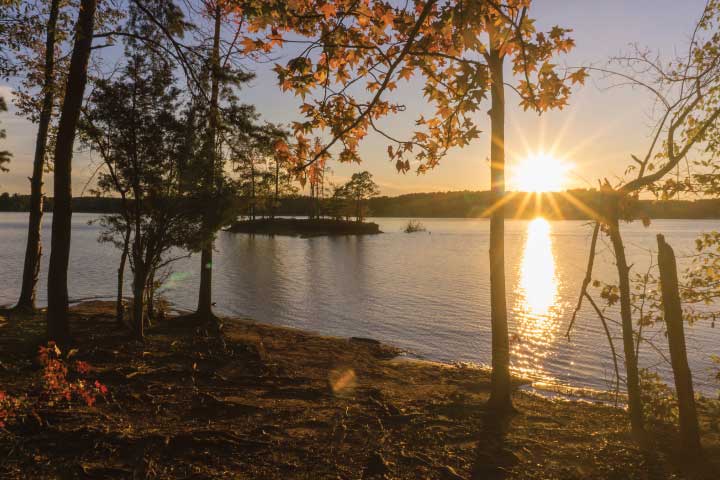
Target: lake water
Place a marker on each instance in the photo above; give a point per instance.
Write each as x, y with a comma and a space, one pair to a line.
425, 292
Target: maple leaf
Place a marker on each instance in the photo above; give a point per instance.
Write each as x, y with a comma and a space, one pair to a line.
328, 10
248, 44
579, 76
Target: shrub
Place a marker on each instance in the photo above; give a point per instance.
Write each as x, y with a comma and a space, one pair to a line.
659, 401
64, 380
414, 226
62, 383
9, 408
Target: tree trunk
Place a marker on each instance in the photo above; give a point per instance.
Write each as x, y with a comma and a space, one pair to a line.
119, 307
204, 307
310, 206
500, 378
150, 295
319, 194
57, 314
689, 428
33, 249
205, 301
277, 189
631, 364
252, 189
139, 301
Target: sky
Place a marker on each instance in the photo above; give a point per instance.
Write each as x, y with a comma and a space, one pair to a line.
596, 133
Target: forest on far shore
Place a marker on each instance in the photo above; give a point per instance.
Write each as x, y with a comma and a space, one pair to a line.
460, 204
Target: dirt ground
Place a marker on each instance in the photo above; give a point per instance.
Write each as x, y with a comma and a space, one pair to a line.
263, 402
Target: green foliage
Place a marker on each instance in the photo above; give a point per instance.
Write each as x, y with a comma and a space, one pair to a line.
701, 290
659, 401
362, 185
263, 173
9, 21
29, 54
360, 188
132, 122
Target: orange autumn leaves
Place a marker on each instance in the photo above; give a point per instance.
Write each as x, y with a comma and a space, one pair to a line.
349, 56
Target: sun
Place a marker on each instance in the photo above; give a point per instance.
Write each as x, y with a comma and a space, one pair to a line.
540, 172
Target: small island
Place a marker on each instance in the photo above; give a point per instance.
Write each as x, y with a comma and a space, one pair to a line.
304, 227
325, 216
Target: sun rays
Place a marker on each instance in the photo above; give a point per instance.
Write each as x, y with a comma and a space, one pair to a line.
540, 204
539, 172
538, 184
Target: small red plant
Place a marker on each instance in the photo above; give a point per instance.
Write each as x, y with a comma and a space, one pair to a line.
7, 408
62, 382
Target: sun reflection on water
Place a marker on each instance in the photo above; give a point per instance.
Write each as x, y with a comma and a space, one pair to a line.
536, 314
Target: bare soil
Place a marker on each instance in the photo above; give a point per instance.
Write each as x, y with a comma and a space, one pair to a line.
263, 402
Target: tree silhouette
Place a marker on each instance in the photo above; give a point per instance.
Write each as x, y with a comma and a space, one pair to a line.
132, 123
57, 313
358, 190
43, 115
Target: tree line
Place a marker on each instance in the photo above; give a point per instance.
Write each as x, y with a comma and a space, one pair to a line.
459, 204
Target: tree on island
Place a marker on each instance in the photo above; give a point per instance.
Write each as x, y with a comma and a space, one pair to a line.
358, 190
261, 174
282, 177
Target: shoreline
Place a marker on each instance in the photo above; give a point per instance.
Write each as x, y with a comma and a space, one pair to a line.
303, 227
265, 401
545, 388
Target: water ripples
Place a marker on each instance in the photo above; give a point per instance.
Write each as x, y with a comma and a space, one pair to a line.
426, 292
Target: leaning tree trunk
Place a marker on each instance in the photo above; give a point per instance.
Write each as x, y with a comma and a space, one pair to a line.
689, 428
631, 362
33, 249
204, 307
57, 314
500, 378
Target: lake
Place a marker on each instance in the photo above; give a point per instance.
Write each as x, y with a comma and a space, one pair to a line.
426, 292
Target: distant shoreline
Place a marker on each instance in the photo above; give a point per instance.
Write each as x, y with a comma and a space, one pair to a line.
570, 205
